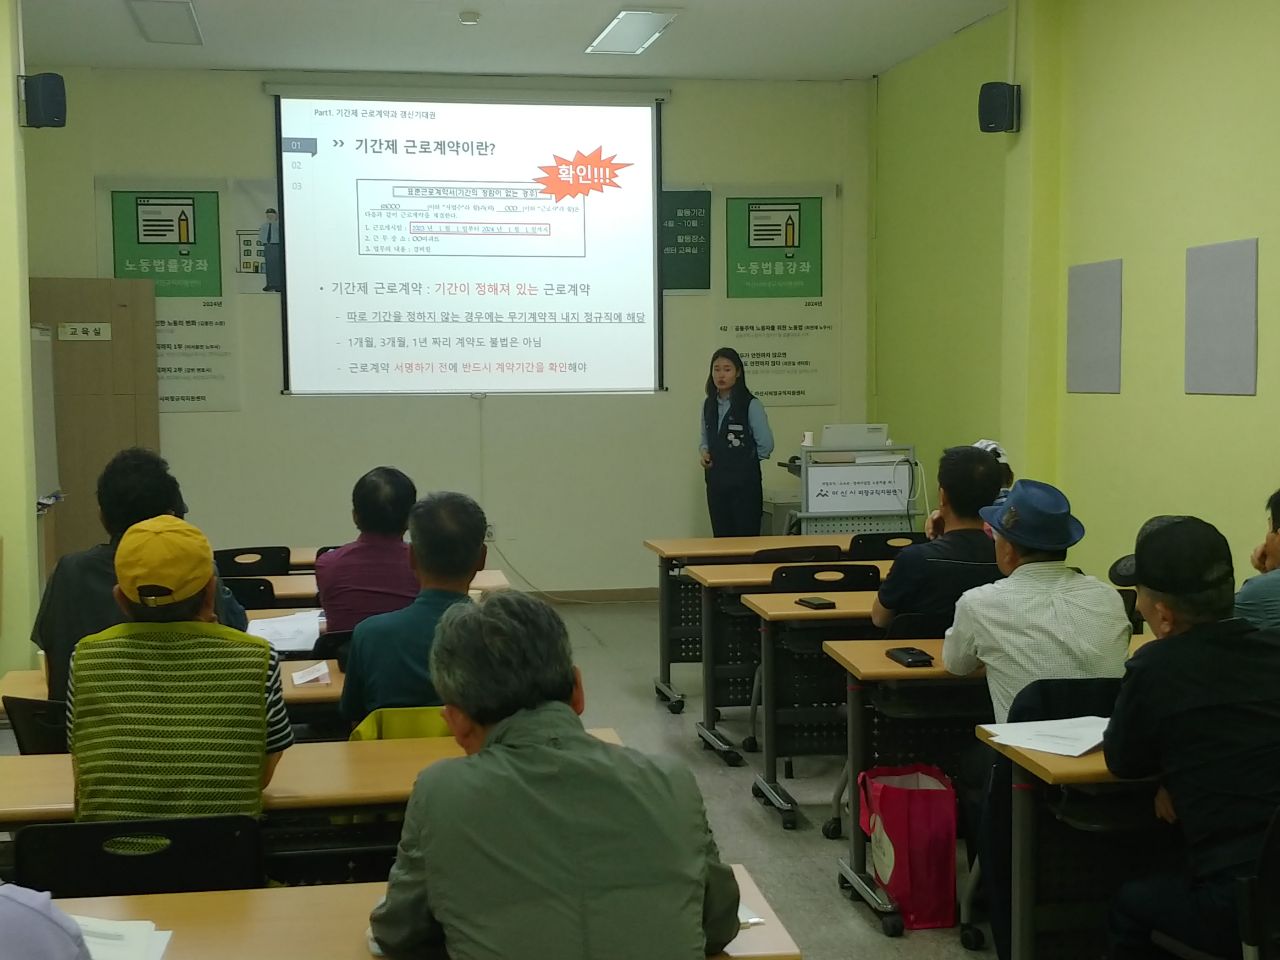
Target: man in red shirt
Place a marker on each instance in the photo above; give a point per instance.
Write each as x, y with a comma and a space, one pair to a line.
371, 575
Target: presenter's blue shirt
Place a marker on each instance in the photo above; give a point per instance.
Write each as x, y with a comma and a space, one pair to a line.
390, 653
756, 418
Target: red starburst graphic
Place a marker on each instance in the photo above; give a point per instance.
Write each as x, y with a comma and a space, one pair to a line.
581, 175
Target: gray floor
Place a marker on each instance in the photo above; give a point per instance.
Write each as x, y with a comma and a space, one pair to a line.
616, 647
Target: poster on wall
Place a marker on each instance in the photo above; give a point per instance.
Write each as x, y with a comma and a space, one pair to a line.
174, 238
773, 247
791, 362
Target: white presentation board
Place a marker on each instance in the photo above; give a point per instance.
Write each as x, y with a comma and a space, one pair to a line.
468, 247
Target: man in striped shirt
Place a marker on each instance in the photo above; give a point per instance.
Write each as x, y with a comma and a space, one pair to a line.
172, 714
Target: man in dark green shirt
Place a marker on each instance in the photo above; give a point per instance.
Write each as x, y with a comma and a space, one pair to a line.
545, 842
390, 654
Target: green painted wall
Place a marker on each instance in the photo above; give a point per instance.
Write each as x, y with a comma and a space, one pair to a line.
937, 247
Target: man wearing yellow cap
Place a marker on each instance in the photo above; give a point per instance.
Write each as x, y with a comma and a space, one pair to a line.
207, 742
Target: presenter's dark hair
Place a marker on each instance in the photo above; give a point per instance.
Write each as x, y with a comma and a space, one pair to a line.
741, 394
382, 499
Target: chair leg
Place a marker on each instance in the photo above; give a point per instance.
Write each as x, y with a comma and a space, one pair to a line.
970, 892
837, 797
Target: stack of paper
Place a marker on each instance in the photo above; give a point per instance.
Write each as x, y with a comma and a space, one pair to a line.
295, 633
747, 917
123, 939
1073, 737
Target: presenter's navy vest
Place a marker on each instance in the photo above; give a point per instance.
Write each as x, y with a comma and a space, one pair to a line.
732, 445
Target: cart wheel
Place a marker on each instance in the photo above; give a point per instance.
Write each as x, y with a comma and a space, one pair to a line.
676, 706
732, 758
750, 744
706, 745
832, 829
843, 883
891, 924
789, 820
971, 937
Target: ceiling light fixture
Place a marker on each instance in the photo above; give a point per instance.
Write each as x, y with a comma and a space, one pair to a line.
632, 31
167, 21
468, 18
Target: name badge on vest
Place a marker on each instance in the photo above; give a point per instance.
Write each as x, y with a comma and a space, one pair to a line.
735, 434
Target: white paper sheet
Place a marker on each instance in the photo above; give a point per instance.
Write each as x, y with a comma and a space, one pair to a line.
747, 917
317, 673
295, 633
1073, 737
117, 939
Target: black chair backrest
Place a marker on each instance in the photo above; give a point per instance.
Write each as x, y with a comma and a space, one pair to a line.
918, 626
1129, 597
253, 561
253, 593
1063, 699
882, 546
321, 551
825, 578
39, 726
107, 859
334, 645
797, 555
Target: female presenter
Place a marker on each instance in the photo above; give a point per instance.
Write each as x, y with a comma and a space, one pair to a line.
735, 438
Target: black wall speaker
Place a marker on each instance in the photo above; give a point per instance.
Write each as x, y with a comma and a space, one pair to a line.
46, 96
999, 108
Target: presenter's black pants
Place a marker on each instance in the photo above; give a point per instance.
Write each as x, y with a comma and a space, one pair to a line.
736, 509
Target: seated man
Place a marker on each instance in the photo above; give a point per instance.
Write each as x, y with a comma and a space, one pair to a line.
390, 654
928, 578
1045, 620
1258, 601
35, 929
172, 714
136, 485
1199, 708
371, 574
544, 842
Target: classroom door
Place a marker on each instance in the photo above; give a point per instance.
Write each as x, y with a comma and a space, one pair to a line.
104, 385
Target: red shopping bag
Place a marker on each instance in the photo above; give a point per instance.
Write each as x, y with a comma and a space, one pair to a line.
910, 815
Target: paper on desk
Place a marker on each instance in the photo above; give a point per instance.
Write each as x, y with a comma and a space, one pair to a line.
1073, 737
747, 917
295, 633
316, 673
123, 939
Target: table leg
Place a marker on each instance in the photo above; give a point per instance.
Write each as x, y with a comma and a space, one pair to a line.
711, 738
765, 786
666, 618
1023, 929
853, 871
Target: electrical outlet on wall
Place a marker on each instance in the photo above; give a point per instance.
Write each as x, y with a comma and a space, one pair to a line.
489, 533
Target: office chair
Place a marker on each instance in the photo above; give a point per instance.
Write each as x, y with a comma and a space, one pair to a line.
39, 726
252, 561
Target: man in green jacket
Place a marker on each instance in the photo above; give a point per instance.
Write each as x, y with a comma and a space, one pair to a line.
544, 842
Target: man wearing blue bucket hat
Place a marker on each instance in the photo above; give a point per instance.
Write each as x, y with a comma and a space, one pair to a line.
1044, 620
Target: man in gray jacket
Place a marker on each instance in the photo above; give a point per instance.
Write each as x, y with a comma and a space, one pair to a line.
544, 842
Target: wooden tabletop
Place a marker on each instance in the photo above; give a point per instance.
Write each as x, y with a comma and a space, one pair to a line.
782, 607
39, 788
728, 575
694, 547
867, 659
328, 922
294, 586
302, 558
31, 683
1051, 768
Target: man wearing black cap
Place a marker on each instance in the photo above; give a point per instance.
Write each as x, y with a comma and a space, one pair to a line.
1199, 709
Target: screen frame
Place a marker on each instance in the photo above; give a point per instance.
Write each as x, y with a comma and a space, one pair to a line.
659, 300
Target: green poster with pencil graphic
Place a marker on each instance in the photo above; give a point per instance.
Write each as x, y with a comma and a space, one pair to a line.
773, 247
171, 237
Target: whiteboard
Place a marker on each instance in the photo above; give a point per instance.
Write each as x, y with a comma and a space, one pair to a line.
858, 488
42, 411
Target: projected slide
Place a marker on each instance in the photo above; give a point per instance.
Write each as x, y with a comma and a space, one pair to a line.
468, 248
